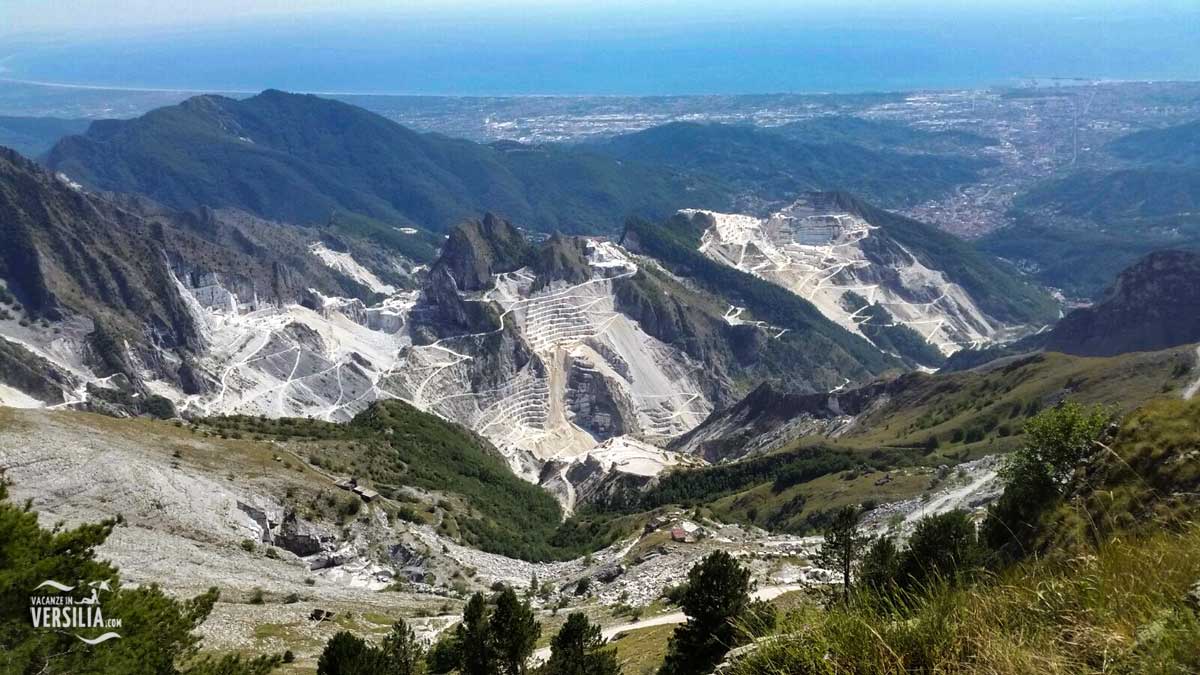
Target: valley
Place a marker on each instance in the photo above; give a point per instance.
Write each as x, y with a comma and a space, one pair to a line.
200, 510
327, 363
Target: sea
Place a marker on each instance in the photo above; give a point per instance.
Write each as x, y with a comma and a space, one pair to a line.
591, 52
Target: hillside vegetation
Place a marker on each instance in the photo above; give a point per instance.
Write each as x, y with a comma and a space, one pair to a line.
1080, 256
922, 422
394, 446
1077, 231
1178, 144
307, 160
1113, 587
778, 166
1135, 195
883, 134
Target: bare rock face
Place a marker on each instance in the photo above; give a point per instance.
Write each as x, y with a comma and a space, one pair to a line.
475, 250
1155, 304
596, 405
32, 374
561, 259
302, 537
267, 517
408, 562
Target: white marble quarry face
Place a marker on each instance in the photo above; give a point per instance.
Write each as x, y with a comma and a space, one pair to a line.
822, 256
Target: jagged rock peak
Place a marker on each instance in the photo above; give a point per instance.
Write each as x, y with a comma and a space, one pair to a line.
561, 258
477, 249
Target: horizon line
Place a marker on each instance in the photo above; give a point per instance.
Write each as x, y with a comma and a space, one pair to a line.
1061, 81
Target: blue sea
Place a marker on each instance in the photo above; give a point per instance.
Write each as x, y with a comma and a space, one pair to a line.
664, 53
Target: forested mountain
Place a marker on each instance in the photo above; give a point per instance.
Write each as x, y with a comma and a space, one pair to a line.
1178, 144
1077, 231
881, 134
310, 160
1114, 197
778, 166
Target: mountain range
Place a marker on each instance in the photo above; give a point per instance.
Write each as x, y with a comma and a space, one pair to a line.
314, 161
572, 341
309, 160
344, 369
562, 352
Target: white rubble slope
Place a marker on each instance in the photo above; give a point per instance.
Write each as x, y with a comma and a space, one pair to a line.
819, 256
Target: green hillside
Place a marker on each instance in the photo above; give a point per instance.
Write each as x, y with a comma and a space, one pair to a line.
1115, 196
308, 160
1107, 583
882, 134
921, 422
392, 445
775, 166
1172, 145
1080, 231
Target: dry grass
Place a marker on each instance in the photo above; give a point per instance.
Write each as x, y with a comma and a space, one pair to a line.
1111, 594
1122, 610
642, 651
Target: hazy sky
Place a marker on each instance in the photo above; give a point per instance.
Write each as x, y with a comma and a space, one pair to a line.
99, 18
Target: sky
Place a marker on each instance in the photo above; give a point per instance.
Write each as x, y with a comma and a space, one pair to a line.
48, 18
613, 47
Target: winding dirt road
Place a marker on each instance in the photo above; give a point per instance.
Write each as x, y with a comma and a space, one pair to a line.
765, 593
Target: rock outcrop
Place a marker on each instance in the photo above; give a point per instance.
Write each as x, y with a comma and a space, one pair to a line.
1155, 304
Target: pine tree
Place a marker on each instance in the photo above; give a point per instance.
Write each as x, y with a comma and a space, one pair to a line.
580, 649
402, 653
533, 585
717, 596
880, 566
842, 545
943, 547
514, 630
156, 630
475, 639
348, 654
445, 655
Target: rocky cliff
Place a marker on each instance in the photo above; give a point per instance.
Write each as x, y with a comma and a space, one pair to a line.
1153, 305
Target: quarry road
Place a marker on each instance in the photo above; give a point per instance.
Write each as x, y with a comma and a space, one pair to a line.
1194, 386
764, 593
